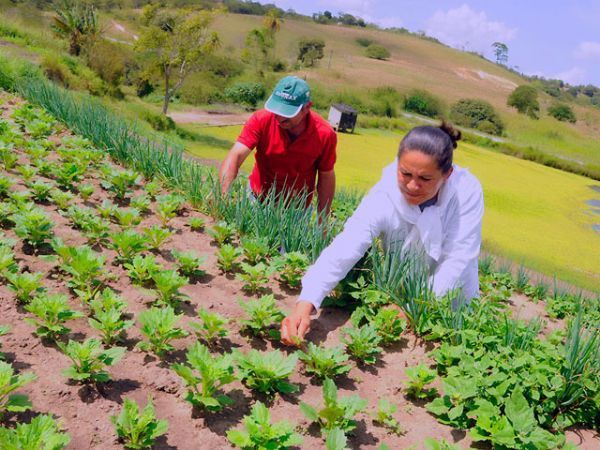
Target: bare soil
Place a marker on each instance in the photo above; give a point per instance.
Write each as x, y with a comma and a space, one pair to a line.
85, 410
209, 117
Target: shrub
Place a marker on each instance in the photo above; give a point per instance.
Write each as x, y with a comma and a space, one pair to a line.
475, 113
562, 112
423, 102
246, 93
159, 122
310, 51
364, 42
376, 51
524, 99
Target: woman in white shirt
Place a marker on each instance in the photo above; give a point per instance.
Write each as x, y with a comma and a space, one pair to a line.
422, 201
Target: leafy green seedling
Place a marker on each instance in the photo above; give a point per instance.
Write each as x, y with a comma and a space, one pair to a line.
107, 300
10, 382
227, 257
156, 236
8, 159
324, 362
255, 249
79, 216
25, 285
212, 326
4, 329
52, 311
8, 264
389, 325
259, 433
120, 182
158, 325
153, 188
419, 377
96, 230
110, 323
267, 372
167, 284
196, 223
141, 203
362, 343
42, 433
336, 440
128, 244
127, 217
167, 206
90, 360
40, 191
86, 191
336, 412
262, 316
138, 430
67, 175
22, 200
189, 263
458, 399
86, 268
222, 233
27, 172
255, 278
106, 209
205, 376
442, 444
6, 212
61, 199
6, 184
291, 267
142, 268
384, 416
33, 226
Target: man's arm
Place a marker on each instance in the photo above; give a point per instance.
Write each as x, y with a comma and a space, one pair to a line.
325, 191
231, 165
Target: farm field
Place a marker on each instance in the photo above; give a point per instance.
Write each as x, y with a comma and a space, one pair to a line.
85, 201
534, 215
58, 186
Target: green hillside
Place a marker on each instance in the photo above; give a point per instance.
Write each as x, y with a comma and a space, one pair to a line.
534, 215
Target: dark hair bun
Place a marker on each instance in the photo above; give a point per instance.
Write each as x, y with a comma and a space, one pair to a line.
454, 133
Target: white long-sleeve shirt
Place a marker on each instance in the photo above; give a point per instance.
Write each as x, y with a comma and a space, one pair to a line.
449, 233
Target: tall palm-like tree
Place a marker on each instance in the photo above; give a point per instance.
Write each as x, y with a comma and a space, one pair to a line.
76, 21
272, 21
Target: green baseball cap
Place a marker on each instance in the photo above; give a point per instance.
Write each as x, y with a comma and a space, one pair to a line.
288, 97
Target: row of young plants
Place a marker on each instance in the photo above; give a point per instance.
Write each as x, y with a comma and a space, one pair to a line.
416, 310
85, 272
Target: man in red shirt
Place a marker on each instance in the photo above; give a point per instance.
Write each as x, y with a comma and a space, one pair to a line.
294, 147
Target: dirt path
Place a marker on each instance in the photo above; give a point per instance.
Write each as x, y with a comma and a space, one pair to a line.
209, 117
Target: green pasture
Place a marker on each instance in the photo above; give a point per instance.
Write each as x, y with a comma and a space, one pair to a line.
534, 214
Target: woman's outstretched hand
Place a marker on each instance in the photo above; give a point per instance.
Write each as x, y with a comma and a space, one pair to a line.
297, 324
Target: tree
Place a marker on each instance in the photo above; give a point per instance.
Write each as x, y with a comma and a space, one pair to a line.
77, 21
501, 52
562, 112
475, 113
310, 51
176, 44
257, 50
524, 98
272, 21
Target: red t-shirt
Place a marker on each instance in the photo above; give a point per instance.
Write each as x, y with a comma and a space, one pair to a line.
282, 162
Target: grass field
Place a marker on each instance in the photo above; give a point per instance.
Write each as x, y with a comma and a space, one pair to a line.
534, 215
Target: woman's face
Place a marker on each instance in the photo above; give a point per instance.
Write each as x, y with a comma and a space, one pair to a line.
419, 177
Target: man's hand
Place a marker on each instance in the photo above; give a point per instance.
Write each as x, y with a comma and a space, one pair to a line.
231, 165
297, 324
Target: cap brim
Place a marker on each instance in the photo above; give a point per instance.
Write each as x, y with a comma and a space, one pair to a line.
281, 109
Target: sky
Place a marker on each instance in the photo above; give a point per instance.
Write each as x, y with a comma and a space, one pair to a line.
549, 38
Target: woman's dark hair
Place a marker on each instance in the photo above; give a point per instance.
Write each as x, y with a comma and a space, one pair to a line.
438, 142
